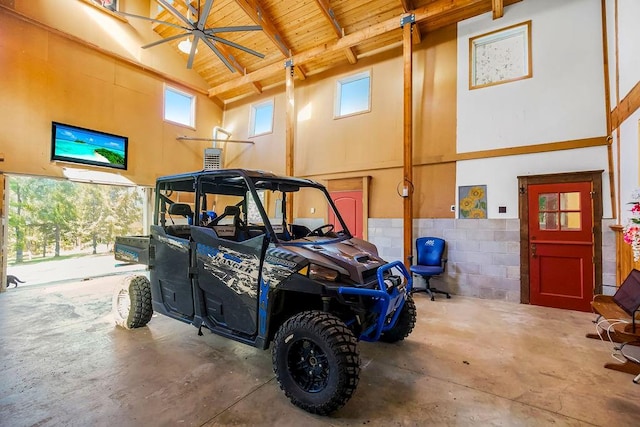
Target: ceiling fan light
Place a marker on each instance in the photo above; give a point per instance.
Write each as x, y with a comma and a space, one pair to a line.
185, 46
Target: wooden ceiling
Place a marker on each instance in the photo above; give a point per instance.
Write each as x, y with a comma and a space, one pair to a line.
316, 35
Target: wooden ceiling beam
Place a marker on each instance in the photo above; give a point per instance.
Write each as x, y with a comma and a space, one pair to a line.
257, 88
438, 13
351, 55
498, 8
257, 14
627, 106
407, 6
328, 13
299, 73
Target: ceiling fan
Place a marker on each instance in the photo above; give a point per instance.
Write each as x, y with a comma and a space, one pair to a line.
196, 30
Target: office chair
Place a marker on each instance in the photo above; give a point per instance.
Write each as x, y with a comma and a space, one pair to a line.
430, 262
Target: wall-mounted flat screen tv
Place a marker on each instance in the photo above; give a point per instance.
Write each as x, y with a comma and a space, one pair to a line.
88, 147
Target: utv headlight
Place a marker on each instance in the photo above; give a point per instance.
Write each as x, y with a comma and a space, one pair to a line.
318, 272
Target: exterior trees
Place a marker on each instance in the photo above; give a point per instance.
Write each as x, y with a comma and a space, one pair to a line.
47, 214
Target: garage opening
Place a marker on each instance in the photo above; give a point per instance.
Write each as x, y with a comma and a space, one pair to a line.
59, 230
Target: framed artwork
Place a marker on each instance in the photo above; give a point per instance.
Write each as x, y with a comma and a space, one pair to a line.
472, 201
500, 56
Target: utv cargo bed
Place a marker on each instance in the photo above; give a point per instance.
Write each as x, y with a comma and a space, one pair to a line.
132, 249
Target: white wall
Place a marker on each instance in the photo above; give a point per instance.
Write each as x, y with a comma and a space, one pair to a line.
629, 155
564, 100
500, 174
628, 43
628, 74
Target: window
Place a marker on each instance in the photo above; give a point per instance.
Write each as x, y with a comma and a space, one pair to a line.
179, 107
261, 118
112, 5
353, 95
253, 212
160, 8
559, 211
500, 56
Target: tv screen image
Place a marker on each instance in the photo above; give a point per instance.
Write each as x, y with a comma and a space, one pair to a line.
89, 147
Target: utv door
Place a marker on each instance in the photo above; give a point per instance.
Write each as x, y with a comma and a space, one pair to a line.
170, 274
228, 273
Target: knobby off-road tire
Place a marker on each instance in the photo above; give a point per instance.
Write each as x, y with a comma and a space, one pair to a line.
316, 361
132, 302
405, 323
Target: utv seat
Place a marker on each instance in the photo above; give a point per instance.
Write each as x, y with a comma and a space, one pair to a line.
229, 212
180, 230
181, 209
231, 230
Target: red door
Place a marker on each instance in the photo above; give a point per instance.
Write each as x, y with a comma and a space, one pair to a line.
349, 204
561, 245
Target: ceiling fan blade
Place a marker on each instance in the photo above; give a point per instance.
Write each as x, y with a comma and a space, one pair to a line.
175, 12
194, 48
237, 46
202, 19
220, 55
210, 31
151, 19
168, 39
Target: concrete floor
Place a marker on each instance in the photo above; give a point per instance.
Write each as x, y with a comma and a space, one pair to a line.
468, 362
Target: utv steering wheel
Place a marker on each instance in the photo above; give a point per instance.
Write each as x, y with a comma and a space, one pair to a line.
318, 231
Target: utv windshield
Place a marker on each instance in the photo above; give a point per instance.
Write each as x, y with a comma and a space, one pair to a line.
242, 205
296, 212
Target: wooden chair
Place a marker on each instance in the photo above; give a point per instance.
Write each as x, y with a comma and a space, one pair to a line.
621, 314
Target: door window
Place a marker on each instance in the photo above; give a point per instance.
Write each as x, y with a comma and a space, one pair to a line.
559, 211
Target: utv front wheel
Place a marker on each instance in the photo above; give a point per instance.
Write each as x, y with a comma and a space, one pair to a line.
405, 323
316, 361
132, 302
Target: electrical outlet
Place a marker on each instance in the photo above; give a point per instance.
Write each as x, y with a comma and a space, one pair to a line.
453, 208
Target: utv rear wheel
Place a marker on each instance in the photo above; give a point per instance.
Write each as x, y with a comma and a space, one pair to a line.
405, 323
316, 361
132, 302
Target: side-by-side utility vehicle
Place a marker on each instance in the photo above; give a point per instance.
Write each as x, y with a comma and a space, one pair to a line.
267, 261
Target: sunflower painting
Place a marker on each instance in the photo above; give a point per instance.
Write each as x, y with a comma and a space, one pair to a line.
472, 201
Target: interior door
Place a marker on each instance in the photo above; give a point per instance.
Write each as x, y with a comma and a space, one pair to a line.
561, 245
349, 204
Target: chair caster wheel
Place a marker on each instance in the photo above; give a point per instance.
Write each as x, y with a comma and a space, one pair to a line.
433, 298
448, 296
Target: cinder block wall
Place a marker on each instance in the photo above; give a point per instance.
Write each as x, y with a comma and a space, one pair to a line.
483, 254
608, 257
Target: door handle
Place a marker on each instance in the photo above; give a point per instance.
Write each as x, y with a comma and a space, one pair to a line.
533, 250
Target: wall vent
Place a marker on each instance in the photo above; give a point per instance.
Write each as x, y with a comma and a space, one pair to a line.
212, 159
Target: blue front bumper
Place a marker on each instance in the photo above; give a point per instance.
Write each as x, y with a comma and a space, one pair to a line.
389, 300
